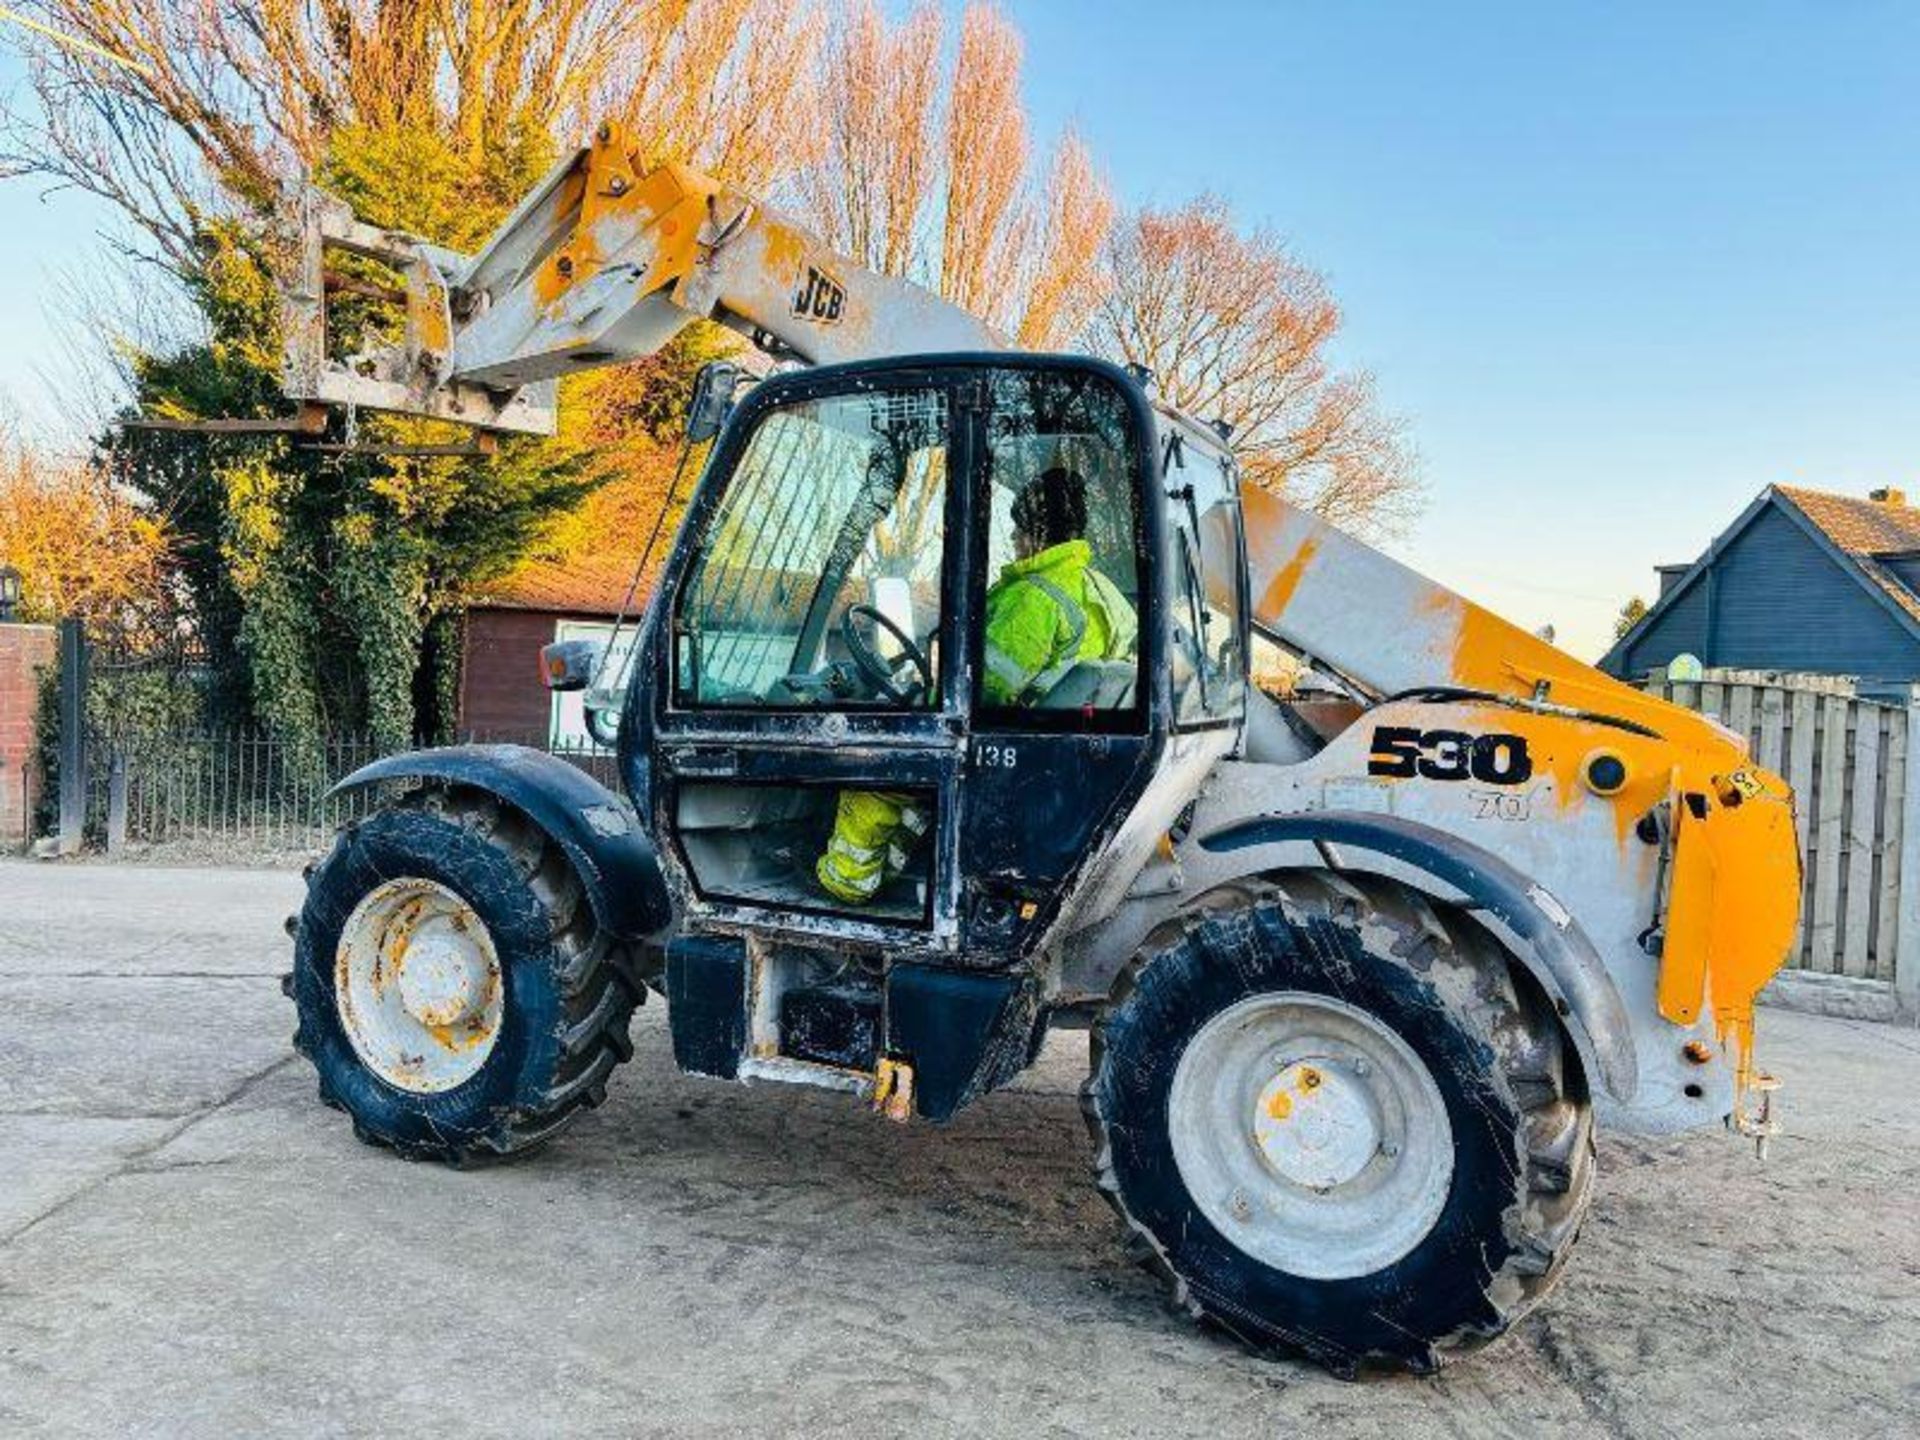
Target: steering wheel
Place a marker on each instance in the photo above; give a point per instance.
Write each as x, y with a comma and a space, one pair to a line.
884, 675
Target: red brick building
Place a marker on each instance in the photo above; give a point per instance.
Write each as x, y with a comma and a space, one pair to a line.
501, 695
24, 649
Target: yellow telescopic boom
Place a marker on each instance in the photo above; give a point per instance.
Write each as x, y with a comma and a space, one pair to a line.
604, 262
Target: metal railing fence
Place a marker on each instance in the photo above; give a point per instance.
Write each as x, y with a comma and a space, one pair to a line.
244, 792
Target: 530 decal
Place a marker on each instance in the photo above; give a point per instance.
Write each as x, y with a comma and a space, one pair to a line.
1402, 752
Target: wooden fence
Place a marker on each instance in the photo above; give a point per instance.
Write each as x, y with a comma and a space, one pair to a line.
1857, 811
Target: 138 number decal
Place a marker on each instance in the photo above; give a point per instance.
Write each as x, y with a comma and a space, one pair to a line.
1402, 752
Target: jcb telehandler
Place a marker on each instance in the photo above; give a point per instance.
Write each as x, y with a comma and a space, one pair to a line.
1360, 969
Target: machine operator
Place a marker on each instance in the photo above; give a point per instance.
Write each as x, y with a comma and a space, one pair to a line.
1049, 609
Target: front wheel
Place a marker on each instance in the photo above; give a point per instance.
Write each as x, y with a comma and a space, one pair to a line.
454, 992
1337, 1124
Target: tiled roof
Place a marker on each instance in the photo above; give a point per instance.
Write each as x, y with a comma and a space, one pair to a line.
1864, 529
1857, 525
579, 585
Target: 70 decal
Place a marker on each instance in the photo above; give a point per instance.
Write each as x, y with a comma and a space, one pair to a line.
1402, 752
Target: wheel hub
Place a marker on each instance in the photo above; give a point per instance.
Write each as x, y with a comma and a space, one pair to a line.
418, 985
443, 979
1310, 1134
1316, 1125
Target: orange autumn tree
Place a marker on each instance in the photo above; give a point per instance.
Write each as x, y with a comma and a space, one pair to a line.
925, 169
82, 547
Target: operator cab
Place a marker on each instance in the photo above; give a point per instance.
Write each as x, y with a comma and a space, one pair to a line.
871, 598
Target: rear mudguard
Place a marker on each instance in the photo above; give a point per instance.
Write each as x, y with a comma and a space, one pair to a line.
1533, 926
595, 827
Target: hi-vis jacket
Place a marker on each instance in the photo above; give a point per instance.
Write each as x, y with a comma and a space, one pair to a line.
1043, 614
1046, 612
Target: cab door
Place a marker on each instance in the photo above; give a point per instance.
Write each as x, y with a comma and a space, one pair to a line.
807, 690
1064, 736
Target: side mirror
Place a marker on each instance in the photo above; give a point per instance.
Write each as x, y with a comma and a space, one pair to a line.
602, 713
570, 664
712, 399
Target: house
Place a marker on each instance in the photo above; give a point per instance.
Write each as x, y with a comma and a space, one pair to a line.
1803, 580
502, 697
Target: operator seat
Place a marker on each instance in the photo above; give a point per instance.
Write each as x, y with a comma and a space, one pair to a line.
1093, 685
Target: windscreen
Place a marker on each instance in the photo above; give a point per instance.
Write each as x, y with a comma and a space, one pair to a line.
819, 577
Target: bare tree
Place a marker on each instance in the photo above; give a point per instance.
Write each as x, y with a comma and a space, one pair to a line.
1063, 280
924, 171
874, 177
1234, 328
234, 99
721, 84
984, 222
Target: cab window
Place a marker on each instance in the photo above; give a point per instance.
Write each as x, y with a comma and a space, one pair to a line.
1060, 630
1203, 566
819, 581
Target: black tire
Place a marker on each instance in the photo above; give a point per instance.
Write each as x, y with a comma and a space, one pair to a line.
568, 992
1517, 1104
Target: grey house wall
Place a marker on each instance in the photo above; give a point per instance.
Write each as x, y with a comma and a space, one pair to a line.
1775, 598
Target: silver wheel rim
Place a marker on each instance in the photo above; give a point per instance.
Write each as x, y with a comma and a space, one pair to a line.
418, 986
1310, 1135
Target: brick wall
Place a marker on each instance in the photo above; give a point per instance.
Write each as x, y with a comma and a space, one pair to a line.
23, 650
500, 690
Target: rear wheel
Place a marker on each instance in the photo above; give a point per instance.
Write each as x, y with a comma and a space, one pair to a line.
1337, 1123
454, 992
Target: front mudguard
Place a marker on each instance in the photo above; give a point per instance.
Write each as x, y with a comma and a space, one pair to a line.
598, 830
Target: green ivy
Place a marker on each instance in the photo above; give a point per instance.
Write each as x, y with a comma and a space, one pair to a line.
315, 579
444, 661
46, 745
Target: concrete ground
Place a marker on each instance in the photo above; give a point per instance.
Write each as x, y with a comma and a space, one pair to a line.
191, 1245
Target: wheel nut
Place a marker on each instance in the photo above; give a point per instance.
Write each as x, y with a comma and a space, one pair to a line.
1389, 1148
1361, 1068
1239, 1206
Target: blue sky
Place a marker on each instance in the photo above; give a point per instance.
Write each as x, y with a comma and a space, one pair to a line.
1619, 268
